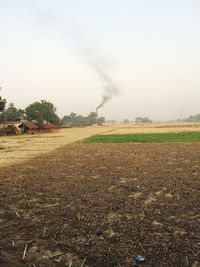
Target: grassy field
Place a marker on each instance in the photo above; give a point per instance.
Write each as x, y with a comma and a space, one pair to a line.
153, 137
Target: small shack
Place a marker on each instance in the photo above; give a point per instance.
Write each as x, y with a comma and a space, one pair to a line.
10, 128
29, 127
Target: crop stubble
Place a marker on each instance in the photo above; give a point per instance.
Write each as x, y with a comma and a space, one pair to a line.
101, 205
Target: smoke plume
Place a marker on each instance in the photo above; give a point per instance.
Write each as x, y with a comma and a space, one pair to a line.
93, 57
100, 65
110, 88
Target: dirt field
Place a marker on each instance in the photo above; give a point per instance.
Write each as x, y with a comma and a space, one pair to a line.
15, 149
101, 205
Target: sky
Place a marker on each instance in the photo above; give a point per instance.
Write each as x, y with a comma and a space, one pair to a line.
143, 53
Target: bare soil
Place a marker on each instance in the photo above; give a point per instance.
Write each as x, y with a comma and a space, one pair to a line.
102, 205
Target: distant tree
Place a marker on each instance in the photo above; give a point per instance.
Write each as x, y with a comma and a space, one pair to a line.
126, 121
42, 111
197, 117
67, 120
138, 120
12, 113
143, 120
92, 118
73, 114
21, 113
92, 115
74, 120
2, 103
79, 120
101, 120
194, 118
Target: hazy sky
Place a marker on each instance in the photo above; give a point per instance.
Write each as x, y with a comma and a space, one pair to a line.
150, 49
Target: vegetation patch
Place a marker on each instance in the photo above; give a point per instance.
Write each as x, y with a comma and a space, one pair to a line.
153, 137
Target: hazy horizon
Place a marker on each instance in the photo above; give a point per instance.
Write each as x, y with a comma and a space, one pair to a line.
67, 51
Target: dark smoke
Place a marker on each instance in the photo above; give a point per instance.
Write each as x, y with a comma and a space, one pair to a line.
110, 88
96, 61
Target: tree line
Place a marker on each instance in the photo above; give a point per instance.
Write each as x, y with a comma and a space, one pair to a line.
192, 118
78, 120
44, 111
138, 120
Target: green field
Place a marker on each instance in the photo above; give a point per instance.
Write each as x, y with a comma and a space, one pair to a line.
153, 137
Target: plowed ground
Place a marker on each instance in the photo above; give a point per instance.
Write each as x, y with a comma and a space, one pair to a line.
101, 205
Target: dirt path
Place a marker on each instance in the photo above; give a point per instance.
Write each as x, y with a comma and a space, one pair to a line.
16, 149
101, 205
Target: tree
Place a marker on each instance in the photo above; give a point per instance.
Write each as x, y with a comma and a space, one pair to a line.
78, 120
101, 120
92, 118
21, 113
2, 103
126, 121
73, 114
143, 120
194, 118
12, 113
92, 115
138, 120
67, 120
42, 111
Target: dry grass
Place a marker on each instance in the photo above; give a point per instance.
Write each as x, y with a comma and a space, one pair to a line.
155, 128
16, 149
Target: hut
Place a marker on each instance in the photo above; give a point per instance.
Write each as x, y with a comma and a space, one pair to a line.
18, 127
28, 127
10, 128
